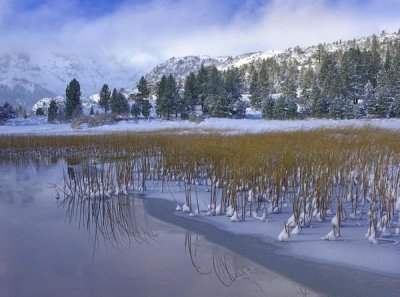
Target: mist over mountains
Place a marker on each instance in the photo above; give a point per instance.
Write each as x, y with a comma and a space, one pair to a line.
24, 78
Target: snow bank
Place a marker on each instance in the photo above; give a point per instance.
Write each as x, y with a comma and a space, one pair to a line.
226, 126
317, 243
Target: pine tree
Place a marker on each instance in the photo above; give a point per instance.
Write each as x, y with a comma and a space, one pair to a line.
255, 91
264, 83
167, 97
374, 62
7, 111
353, 74
369, 99
136, 110
395, 108
52, 112
40, 112
233, 92
190, 95
119, 104
143, 89
382, 104
320, 52
394, 82
239, 110
319, 103
146, 107
329, 78
341, 108
201, 87
172, 97
216, 101
384, 91
160, 101
307, 78
291, 108
73, 105
268, 108
105, 98
280, 108
142, 98
383, 94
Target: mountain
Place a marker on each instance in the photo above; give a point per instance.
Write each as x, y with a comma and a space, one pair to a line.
181, 67
24, 78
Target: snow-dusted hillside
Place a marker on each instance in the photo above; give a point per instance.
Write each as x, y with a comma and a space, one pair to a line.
181, 67
44, 103
24, 79
21, 91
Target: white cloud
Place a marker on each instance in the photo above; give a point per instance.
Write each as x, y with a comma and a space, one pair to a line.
149, 33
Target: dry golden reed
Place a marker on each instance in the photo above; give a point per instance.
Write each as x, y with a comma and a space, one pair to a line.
314, 170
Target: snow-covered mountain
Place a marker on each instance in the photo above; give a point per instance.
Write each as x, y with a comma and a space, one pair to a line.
24, 79
181, 67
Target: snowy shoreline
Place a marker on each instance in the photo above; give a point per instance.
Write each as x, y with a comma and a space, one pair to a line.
351, 250
209, 125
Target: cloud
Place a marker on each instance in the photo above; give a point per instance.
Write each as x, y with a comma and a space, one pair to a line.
145, 33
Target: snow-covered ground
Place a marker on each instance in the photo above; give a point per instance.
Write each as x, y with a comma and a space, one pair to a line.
351, 249
226, 126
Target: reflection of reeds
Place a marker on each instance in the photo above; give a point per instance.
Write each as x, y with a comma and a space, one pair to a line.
316, 171
226, 270
91, 200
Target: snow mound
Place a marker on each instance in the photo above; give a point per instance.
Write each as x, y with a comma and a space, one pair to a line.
330, 236
235, 217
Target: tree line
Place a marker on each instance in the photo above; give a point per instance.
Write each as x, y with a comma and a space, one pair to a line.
341, 84
352, 83
210, 91
114, 102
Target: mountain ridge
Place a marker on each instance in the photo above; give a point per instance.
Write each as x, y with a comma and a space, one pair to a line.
182, 66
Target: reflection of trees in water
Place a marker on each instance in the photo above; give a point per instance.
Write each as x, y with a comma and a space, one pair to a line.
226, 268
109, 218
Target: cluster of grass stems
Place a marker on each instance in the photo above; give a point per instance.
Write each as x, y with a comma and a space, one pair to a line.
86, 194
346, 170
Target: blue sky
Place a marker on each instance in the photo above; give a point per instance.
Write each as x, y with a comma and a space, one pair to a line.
147, 32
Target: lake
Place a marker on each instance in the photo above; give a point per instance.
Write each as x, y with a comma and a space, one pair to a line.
52, 244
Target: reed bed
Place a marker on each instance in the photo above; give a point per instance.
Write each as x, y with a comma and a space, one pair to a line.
90, 200
354, 172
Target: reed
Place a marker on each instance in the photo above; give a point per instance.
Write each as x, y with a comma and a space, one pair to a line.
246, 175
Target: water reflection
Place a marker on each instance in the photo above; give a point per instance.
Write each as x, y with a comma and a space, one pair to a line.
225, 267
110, 218
113, 219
